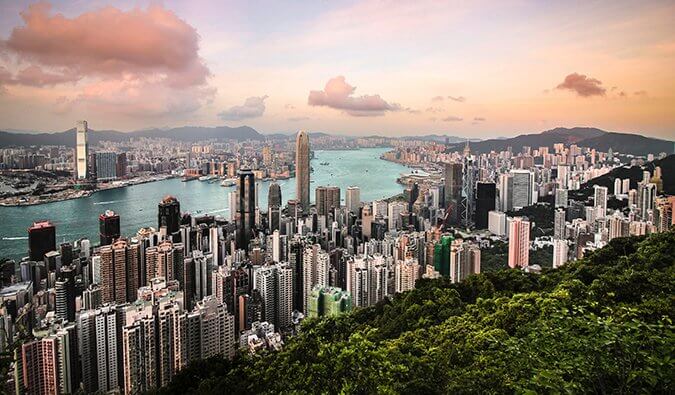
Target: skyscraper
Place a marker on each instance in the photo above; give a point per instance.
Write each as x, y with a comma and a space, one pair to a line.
119, 271
523, 184
600, 201
246, 207
81, 150
274, 195
302, 169
486, 195
353, 199
519, 242
41, 239
169, 214
327, 198
109, 227
453, 191
328, 301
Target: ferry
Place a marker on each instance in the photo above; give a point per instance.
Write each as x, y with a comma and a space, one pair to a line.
324, 163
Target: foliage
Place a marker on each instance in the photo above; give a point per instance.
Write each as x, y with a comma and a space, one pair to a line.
600, 324
541, 218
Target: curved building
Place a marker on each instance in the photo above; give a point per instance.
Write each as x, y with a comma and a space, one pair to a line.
302, 169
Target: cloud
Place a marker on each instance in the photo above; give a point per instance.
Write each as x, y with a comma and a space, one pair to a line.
338, 94
36, 76
253, 107
434, 109
622, 94
479, 119
137, 63
298, 119
109, 41
584, 86
640, 93
289, 107
437, 98
452, 119
460, 99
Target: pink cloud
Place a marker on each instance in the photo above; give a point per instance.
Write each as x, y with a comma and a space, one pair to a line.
253, 107
111, 42
338, 94
460, 99
584, 86
36, 76
452, 119
437, 98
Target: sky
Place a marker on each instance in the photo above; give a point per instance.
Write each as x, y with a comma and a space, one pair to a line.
473, 69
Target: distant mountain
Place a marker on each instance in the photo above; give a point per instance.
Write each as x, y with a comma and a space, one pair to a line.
186, 133
584, 137
440, 138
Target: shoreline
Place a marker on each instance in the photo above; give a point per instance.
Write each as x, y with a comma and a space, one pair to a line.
87, 193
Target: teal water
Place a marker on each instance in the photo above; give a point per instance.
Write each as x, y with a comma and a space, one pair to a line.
137, 205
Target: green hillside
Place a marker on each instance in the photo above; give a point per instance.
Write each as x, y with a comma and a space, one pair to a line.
601, 324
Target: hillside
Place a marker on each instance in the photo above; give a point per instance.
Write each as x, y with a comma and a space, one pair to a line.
186, 133
584, 137
634, 173
602, 324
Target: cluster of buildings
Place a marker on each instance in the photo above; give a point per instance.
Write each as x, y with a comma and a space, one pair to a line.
126, 313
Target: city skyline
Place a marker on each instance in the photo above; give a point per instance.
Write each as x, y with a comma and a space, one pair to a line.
347, 68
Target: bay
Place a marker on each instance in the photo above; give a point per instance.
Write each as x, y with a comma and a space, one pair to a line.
137, 205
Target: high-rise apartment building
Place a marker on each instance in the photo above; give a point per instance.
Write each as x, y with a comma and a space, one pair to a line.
519, 242
119, 271
406, 273
600, 201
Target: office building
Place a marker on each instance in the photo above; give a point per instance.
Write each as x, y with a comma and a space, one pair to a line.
109, 227
453, 191
302, 169
327, 199
81, 150
274, 195
41, 239
523, 184
328, 301
497, 223
353, 199
106, 166
246, 207
169, 214
486, 195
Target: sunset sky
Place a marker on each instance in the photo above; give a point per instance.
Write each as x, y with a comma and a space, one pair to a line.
480, 69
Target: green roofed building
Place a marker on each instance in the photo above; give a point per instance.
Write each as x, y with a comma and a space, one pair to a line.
328, 301
442, 255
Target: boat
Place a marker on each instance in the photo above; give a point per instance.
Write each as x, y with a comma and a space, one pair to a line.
228, 182
189, 178
324, 163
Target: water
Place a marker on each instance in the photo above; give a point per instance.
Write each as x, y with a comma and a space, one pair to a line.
137, 205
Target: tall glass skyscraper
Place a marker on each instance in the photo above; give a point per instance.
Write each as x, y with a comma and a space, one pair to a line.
302, 169
81, 151
246, 207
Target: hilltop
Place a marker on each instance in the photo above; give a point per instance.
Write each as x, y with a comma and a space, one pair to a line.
599, 324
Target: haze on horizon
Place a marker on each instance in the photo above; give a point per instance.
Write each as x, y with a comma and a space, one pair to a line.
482, 70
